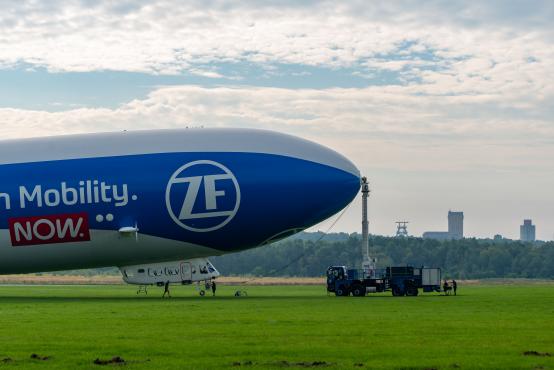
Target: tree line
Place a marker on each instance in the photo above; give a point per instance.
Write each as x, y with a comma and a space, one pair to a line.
307, 256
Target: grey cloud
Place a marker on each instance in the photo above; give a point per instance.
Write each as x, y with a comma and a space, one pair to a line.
530, 14
144, 36
377, 112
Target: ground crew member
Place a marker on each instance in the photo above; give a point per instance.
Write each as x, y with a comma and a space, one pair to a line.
446, 288
166, 290
213, 288
454, 286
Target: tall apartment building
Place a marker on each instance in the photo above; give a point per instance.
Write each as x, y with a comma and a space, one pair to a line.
456, 224
527, 231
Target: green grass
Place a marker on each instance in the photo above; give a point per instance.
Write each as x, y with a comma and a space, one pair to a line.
483, 327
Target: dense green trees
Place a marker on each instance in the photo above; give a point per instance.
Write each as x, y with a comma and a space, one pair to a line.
304, 255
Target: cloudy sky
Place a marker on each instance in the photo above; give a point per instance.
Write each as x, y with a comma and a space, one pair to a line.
443, 105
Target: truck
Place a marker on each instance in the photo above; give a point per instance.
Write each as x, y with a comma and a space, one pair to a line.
399, 280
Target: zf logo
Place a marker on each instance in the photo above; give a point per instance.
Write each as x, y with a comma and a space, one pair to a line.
202, 196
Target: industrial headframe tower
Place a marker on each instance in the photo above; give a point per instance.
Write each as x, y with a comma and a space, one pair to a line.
368, 263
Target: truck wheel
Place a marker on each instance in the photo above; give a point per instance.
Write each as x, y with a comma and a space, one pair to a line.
341, 292
358, 291
397, 291
412, 291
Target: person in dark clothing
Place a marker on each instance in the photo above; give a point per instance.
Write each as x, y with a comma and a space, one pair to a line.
446, 288
454, 286
166, 290
213, 288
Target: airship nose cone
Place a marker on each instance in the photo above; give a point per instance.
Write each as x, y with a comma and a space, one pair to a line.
306, 193
318, 182
334, 189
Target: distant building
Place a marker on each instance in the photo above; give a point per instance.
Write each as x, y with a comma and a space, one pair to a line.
455, 228
437, 235
527, 231
456, 224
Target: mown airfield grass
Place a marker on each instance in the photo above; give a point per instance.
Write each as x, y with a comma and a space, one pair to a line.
485, 326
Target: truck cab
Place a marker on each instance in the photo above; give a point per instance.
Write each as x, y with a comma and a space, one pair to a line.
334, 274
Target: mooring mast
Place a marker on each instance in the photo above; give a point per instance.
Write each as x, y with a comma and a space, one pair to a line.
368, 263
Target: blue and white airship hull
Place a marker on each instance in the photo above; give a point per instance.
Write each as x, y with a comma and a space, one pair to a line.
131, 198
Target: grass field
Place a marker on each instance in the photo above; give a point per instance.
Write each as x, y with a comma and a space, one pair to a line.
485, 326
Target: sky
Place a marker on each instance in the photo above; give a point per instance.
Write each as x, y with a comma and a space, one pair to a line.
443, 105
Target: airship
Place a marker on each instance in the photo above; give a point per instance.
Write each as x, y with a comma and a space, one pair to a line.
158, 203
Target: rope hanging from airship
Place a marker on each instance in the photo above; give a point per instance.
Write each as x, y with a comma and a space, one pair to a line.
302, 255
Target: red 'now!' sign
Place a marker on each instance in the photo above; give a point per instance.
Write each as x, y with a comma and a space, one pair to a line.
64, 228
